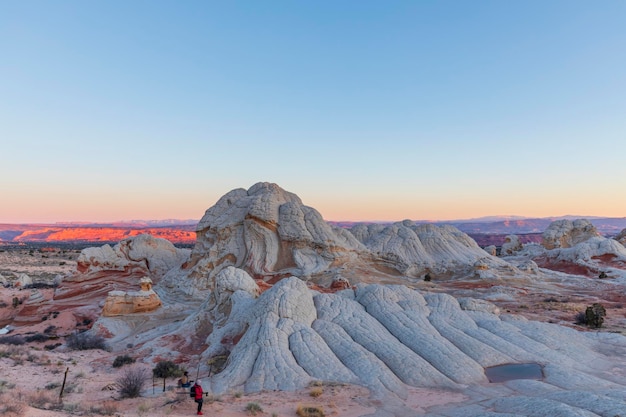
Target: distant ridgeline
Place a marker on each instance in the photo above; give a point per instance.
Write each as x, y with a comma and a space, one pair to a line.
59, 233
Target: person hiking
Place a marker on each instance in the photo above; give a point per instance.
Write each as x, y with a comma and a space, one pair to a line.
198, 397
184, 381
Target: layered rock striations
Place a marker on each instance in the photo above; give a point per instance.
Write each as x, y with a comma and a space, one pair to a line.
419, 249
388, 338
128, 302
268, 232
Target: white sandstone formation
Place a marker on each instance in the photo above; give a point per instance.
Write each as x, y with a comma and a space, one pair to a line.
511, 245
425, 248
23, 280
389, 337
128, 302
269, 233
155, 255
621, 237
491, 250
567, 233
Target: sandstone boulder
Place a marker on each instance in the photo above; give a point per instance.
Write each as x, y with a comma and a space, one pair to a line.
154, 255
23, 280
491, 250
511, 245
567, 233
269, 233
129, 302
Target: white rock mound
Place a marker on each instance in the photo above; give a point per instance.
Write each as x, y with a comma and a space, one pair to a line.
511, 245
389, 337
156, 255
417, 249
567, 233
268, 232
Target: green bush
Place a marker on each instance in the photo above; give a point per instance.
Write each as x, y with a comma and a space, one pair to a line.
122, 360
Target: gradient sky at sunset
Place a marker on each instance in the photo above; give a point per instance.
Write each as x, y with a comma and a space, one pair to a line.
368, 110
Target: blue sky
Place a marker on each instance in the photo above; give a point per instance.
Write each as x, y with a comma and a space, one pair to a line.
367, 110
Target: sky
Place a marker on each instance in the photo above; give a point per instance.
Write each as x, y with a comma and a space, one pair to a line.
367, 110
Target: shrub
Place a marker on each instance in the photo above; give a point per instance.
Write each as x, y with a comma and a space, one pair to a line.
10, 407
45, 401
253, 408
593, 316
50, 329
107, 408
52, 385
310, 411
580, 318
166, 369
52, 346
37, 337
316, 391
122, 360
85, 341
39, 285
3, 304
12, 340
131, 382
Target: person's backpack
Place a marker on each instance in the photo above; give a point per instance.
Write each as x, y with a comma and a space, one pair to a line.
192, 391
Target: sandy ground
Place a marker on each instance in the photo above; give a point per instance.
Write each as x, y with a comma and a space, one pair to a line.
31, 380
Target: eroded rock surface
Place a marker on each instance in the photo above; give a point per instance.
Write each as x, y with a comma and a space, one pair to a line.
568, 233
388, 337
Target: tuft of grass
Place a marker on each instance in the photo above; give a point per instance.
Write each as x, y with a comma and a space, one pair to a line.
45, 401
316, 392
52, 385
238, 394
106, 408
310, 411
253, 408
11, 406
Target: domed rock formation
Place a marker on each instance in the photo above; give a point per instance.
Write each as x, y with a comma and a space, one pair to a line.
269, 233
511, 245
156, 256
122, 302
425, 248
621, 237
577, 248
389, 338
567, 233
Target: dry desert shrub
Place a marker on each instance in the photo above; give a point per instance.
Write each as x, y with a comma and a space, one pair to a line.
11, 407
316, 392
253, 408
44, 401
85, 341
310, 411
4, 386
106, 408
131, 382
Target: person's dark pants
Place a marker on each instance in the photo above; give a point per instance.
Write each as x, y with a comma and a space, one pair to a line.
200, 401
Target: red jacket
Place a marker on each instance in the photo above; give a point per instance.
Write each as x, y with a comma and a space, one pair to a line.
198, 392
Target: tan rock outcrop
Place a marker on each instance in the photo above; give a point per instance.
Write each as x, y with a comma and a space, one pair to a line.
122, 302
567, 233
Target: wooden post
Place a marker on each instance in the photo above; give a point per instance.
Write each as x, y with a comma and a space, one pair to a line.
63, 386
